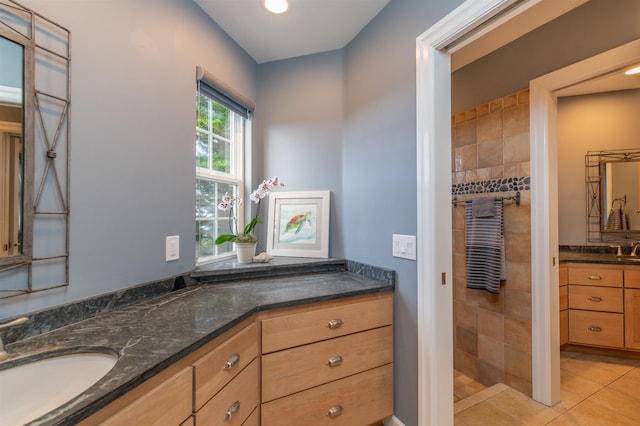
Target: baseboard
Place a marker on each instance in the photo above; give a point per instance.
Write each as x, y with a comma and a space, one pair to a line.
393, 421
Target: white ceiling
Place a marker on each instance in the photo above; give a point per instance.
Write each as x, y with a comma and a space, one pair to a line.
310, 26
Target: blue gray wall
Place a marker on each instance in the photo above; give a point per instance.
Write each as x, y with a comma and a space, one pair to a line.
132, 138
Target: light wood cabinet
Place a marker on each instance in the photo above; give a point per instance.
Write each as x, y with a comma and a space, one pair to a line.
603, 305
632, 318
329, 364
563, 289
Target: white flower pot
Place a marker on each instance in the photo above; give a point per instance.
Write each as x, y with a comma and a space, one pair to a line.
245, 252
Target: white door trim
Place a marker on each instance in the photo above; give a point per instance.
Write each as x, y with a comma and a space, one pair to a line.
435, 300
544, 218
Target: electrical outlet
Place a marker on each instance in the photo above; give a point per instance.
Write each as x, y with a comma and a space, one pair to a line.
172, 248
404, 246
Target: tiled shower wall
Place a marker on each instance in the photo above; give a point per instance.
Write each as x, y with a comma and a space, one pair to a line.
492, 333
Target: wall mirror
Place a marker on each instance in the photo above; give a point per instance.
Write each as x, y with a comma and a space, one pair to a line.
34, 146
613, 194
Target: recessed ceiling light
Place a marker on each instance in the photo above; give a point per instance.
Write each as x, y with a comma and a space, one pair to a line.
632, 71
276, 6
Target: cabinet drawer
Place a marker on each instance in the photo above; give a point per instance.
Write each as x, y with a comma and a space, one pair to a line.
595, 276
300, 328
216, 369
632, 278
360, 399
596, 328
235, 402
607, 299
564, 297
168, 403
296, 369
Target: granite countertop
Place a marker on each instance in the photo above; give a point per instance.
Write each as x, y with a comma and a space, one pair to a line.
153, 334
608, 258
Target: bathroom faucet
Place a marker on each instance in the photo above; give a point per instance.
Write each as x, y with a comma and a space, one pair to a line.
635, 247
619, 253
17, 321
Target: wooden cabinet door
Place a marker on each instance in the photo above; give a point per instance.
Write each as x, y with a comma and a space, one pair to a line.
632, 318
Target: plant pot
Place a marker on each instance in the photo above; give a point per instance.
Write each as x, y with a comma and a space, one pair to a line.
245, 252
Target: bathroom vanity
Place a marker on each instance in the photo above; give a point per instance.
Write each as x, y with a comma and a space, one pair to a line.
308, 341
600, 301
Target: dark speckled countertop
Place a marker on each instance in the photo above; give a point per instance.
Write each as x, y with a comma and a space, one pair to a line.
598, 255
153, 334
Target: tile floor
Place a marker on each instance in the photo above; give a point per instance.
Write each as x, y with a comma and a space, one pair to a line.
595, 390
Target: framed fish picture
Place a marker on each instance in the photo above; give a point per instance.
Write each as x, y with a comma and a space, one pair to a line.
298, 224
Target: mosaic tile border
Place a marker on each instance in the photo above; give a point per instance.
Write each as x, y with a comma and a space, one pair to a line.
522, 183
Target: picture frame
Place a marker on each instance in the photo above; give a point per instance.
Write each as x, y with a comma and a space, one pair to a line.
298, 224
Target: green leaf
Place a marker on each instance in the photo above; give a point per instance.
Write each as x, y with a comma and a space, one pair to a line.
225, 238
247, 229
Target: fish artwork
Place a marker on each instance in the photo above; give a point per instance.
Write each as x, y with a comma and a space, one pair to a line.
297, 221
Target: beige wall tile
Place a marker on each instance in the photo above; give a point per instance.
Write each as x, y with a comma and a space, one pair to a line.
466, 158
462, 293
490, 153
517, 247
517, 304
466, 363
517, 363
516, 119
489, 127
523, 96
466, 341
459, 264
519, 276
482, 110
489, 375
518, 383
458, 242
465, 134
490, 351
517, 219
465, 315
492, 302
495, 105
516, 148
517, 334
490, 324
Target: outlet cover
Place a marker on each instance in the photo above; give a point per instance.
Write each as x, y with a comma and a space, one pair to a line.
404, 246
172, 247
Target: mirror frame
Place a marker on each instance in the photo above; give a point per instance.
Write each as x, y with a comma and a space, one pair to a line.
44, 262
28, 128
594, 165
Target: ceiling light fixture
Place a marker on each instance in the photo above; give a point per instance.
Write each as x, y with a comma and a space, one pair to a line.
632, 71
276, 6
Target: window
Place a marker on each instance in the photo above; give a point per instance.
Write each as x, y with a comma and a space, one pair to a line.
220, 136
222, 117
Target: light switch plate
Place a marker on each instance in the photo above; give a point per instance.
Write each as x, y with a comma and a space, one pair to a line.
172, 247
404, 246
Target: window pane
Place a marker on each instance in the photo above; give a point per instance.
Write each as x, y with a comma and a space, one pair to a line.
203, 151
202, 112
221, 156
221, 120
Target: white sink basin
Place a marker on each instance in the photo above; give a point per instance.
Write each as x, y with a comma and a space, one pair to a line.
30, 390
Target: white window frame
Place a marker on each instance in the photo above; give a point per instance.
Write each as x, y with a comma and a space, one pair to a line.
236, 174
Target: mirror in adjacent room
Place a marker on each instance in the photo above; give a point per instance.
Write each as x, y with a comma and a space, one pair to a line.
12, 152
620, 185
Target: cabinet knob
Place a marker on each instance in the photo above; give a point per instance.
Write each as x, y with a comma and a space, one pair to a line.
233, 408
233, 360
335, 323
334, 411
594, 277
595, 328
334, 360
594, 299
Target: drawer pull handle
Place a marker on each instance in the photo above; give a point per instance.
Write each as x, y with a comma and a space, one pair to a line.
232, 410
594, 277
594, 299
233, 360
334, 360
595, 328
334, 411
335, 323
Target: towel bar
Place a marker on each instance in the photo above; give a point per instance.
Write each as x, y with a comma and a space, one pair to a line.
515, 197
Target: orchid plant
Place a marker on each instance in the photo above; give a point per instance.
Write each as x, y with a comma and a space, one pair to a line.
229, 203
